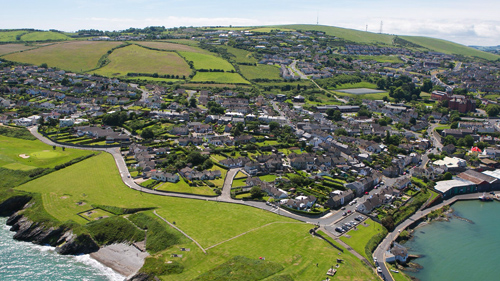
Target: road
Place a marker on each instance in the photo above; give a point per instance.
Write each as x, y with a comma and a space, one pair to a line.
293, 67
384, 246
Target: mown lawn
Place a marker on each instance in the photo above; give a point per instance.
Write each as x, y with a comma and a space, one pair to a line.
182, 186
360, 237
40, 154
78, 56
136, 59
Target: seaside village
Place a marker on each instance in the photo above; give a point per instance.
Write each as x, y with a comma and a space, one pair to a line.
381, 158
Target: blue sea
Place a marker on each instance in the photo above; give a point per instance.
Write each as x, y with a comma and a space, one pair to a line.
459, 250
26, 261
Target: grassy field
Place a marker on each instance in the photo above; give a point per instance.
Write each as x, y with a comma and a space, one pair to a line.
269, 178
392, 59
40, 154
360, 237
219, 77
76, 56
188, 42
44, 36
173, 47
345, 33
183, 187
207, 61
141, 60
401, 276
376, 96
70, 191
240, 56
260, 71
11, 48
10, 36
448, 47
269, 29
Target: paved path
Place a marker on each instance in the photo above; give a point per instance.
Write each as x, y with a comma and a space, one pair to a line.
226, 187
379, 253
178, 229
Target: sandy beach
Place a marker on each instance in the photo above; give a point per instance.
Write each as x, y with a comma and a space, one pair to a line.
122, 258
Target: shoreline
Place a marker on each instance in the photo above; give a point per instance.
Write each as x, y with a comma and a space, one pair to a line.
122, 258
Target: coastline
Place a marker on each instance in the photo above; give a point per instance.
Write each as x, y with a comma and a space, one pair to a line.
124, 259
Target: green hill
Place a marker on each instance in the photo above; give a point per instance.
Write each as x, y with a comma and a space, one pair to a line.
424, 43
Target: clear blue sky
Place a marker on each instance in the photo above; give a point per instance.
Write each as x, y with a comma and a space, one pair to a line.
467, 22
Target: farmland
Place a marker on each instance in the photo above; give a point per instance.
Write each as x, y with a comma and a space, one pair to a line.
206, 61
219, 77
11, 36
172, 47
44, 36
260, 72
136, 59
75, 56
11, 48
240, 56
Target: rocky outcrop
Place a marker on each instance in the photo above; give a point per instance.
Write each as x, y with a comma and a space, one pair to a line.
61, 237
141, 276
13, 204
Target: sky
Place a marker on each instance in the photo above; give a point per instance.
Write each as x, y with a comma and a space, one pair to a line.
466, 22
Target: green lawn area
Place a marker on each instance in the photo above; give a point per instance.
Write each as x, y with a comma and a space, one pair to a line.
392, 59
137, 59
219, 77
207, 222
44, 36
240, 55
40, 154
240, 174
376, 96
269, 178
261, 71
220, 181
78, 56
207, 61
400, 276
217, 157
367, 85
182, 186
239, 183
267, 143
360, 237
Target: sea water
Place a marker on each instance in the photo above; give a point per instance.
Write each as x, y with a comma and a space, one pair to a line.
27, 261
458, 249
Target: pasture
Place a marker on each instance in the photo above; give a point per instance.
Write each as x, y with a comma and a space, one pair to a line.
36, 154
11, 35
136, 59
240, 56
172, 47
219, 77
12, 48
206, 61
44, 36
78, 56
261, 71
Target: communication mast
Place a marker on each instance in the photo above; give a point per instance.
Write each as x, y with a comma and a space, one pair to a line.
366, 28
381, 25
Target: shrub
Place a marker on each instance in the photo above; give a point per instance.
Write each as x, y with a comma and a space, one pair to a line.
159, 236
114, 230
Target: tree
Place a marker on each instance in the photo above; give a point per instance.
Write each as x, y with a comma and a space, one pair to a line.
447, 176
340, 132
381, 84
256, 192
454, 125
192, 102
335, 115
273, 125
147, 133
492, 110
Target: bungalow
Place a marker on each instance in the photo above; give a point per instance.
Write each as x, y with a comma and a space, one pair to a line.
165, 177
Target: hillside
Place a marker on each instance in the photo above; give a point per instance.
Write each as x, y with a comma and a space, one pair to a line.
427, 43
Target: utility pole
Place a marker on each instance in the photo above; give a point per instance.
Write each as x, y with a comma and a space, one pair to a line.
366, 28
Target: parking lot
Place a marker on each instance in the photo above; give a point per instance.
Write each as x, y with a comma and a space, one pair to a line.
346, 223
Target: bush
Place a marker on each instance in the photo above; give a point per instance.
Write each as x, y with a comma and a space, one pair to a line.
157, 266
20, 133
373, 242
159, 236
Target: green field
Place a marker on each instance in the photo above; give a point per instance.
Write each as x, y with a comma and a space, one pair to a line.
10, 36
376, 96
11, 48
40, 154
448, 47
269, 29
207, 61
44, 36
391, 59
361, 235
182, 186
135, 59
75, 56
240, 56
69, 191
173, 47
260, 71
219, 77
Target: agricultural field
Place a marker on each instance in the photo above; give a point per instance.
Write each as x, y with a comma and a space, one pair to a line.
12, 48
391, 59
136, 59
207, 61
20, 154
448, 47
260, 71
188, 42
219, 77
11, 36
44, 36
269, 29
240, 56
172, 47
78, 56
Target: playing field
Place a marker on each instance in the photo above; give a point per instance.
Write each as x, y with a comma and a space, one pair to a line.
136, 59
75, 56
261, 71
34, 154
207, 61
219, 77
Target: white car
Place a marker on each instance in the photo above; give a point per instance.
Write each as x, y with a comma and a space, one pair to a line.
379, 270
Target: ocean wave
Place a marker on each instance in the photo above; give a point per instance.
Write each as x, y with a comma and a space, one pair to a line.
108, 272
